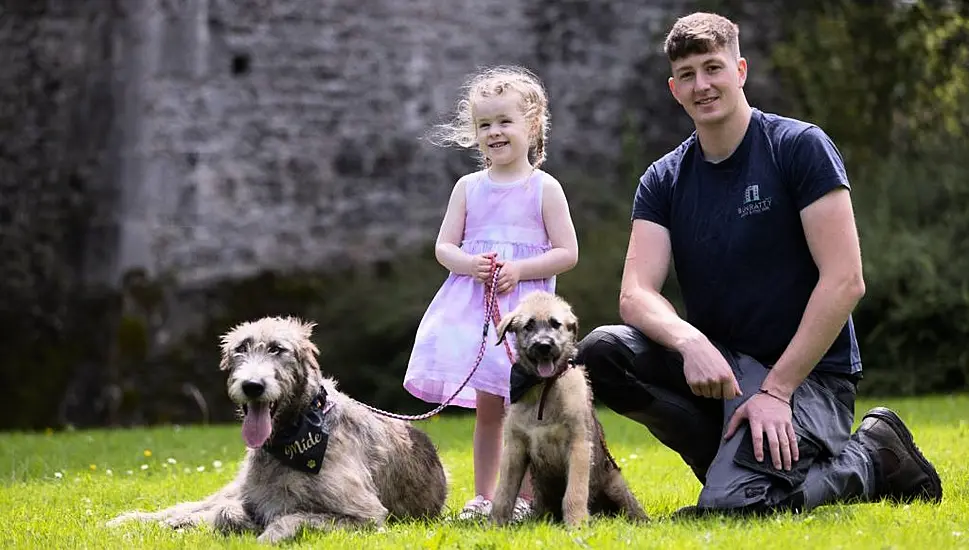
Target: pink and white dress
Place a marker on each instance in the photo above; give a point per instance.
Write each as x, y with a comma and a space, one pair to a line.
505, 218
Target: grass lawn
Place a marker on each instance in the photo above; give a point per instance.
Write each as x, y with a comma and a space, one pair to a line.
58, 489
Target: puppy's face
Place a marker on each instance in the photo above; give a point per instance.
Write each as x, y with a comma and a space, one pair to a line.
269, 363
545, 331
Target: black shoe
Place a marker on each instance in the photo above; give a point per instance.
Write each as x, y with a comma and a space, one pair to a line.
902, 473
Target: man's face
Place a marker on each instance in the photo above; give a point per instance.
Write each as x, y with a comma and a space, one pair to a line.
708, 85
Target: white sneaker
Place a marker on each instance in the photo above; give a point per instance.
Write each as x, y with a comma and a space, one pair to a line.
477, 508
522, 510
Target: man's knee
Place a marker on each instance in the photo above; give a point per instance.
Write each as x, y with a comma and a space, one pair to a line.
610, 344
733, 498
738, 483
752, 499
607, 354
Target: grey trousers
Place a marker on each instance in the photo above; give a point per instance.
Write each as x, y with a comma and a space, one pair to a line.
644, 381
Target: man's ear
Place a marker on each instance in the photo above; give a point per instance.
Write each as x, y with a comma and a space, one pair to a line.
742, 70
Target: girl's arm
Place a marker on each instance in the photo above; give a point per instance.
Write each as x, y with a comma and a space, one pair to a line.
448, 248
561, 233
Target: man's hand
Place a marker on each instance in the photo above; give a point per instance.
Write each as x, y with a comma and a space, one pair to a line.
707, 372
770, 416
481, 266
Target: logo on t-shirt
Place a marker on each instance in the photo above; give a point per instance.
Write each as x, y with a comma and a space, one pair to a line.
753, 204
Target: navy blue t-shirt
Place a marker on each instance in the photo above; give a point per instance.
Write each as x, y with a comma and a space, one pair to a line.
738, 245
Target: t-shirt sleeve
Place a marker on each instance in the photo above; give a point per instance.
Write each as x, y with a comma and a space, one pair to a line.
652, 202
816, 167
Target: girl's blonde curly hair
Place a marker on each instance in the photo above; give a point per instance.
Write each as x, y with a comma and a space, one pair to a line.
494, 81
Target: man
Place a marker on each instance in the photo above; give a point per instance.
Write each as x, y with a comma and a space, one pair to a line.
755, 389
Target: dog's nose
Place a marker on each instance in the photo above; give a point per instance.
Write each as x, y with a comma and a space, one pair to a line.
253, 389
542, 348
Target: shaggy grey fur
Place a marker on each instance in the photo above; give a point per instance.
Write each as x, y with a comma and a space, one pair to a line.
374, 467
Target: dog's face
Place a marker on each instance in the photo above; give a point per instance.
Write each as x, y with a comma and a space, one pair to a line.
545, 330
272, 370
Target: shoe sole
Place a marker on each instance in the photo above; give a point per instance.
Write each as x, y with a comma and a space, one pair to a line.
892, 419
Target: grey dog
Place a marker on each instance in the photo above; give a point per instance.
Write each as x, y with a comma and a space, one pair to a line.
315, 457
551, 426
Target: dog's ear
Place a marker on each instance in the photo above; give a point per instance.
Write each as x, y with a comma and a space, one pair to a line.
305, 327
510, 322
572, 324
225, 349
307, 352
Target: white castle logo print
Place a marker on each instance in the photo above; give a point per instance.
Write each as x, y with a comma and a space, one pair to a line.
753, 204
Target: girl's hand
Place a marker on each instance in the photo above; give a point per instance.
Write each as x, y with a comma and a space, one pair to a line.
481, 266
508, 277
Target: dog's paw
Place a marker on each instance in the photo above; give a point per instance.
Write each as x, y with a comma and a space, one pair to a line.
231, 519
575, 516
500, 518
181, 521
128, 517
274, 536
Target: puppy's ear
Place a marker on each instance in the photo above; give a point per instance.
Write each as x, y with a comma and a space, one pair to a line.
573, 326
510, 322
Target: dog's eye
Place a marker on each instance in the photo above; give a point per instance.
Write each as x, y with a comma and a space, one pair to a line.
241, 348
273, 349
554, 323
529, 325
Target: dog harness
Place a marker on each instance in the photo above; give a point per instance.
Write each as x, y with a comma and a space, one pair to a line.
302, 445
522, 381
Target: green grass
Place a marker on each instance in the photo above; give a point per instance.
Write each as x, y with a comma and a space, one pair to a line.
58, 489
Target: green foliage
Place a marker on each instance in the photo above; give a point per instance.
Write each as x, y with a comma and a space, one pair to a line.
889, 82
882, 78
103, 473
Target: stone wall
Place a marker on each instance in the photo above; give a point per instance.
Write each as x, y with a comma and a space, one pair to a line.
152, 149
288, 134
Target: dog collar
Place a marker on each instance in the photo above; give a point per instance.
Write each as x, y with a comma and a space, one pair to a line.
522, 381
301, 446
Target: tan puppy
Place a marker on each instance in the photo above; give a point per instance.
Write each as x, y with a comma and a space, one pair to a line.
551, 426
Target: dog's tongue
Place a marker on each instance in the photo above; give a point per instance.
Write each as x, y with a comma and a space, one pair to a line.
546, 368
256, 426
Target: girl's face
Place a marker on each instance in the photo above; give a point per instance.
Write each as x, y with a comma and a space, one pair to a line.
503, 131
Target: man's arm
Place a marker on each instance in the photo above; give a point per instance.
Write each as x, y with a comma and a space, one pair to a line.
829, 226
643, 306
640, 302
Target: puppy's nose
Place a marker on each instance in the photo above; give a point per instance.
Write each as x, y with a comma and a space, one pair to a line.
542, 348
253, 389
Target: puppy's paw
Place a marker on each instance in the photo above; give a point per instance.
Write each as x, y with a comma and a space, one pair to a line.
575, 515
500, 515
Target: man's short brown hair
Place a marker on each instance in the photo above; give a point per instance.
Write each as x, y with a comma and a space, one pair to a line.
700, 33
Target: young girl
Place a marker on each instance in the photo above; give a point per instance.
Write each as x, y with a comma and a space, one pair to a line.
511, 214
